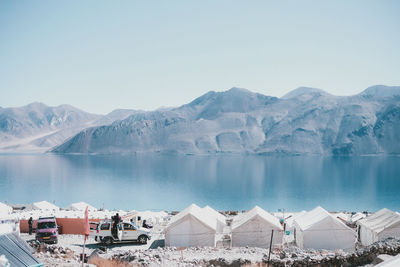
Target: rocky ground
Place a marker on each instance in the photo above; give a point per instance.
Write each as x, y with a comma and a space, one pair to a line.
67, 254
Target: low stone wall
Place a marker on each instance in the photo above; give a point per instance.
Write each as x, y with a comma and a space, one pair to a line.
360, 257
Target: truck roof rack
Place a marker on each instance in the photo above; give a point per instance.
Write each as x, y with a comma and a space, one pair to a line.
47, 218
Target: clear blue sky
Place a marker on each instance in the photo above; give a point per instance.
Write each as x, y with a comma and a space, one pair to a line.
102, 55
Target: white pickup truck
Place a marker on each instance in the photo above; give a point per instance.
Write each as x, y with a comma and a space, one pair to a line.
126, 232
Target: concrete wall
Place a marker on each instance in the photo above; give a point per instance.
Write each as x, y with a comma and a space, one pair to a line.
72, 226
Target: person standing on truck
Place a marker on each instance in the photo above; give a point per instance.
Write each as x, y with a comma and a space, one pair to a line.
30, 223
117, 219
145, 225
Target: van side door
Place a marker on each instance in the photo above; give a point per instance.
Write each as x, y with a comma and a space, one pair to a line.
130, 232
104, 229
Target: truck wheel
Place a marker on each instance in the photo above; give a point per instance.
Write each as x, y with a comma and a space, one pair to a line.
142, 239
107, 240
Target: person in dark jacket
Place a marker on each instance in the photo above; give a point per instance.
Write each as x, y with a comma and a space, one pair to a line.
116, 219
30, 223
146, 225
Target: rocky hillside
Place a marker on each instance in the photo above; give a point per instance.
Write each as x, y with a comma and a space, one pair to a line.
37, 127
305, 121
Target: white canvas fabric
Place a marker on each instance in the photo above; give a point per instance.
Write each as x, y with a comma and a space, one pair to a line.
254, 228
221, 219
318, 229
344, 217
81, 206
44, 205
384, 223
358, 216
194, 226
289, 221
215, 213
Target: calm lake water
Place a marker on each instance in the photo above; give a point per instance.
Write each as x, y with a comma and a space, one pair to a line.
172, 182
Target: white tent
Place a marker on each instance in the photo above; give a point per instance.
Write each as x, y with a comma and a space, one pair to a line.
290, 220
358, 216
254, 228
5, 209
193, 226
45, 206
384, 223
153, 216
5, 228
342, 216
81, 206
318, 229
221, 219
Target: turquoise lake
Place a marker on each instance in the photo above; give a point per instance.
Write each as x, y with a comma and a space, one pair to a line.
225, 182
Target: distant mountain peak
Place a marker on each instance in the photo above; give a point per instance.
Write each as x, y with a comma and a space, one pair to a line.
36, 104
382, 91
303, 91
238, 90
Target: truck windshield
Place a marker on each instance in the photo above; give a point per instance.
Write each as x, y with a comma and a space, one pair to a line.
46, 225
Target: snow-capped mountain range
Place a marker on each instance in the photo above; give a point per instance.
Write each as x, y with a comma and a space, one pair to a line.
304, 121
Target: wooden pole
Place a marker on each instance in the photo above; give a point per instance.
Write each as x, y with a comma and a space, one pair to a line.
270, 246
83, 253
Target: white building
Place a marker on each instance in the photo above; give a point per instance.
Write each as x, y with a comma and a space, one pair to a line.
384, 223
5, 209
318, 229
45, 206
254, 228
193, 226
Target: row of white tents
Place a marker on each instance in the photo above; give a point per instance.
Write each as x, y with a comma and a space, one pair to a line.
44, 208
75, 210
47, 206
195, 226
317, 229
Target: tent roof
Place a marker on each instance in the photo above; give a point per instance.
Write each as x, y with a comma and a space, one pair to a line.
44, 205
342, 216
289, 220
204, 216
314, 216
17, 251
221, 218
380, 220
256, 211
358, 216
81, 206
